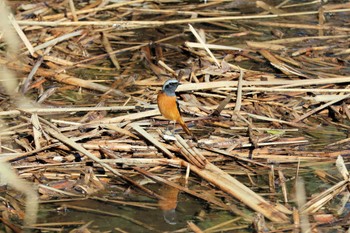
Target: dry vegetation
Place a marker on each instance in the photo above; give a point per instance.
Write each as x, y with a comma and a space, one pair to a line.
265, 92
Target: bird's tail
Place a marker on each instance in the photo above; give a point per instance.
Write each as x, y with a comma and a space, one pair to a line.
185, 128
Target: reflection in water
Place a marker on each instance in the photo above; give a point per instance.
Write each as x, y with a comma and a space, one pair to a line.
169, 203
170, 216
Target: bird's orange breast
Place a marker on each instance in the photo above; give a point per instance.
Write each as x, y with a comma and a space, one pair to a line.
168, 107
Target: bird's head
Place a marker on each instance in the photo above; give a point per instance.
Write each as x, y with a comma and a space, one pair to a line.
170, 86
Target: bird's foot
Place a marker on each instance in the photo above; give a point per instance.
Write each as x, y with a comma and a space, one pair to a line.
168, 136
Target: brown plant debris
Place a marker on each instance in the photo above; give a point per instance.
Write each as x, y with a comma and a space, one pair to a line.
265, 92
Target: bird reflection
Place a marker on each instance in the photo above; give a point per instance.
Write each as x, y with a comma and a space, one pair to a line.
169, 203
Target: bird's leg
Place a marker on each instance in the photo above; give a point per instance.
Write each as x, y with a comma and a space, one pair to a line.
168, 134
170, 130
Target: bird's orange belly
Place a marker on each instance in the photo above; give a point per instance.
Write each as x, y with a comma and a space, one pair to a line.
168, 107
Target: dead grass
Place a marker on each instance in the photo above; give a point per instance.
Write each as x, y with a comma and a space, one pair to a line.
255, 86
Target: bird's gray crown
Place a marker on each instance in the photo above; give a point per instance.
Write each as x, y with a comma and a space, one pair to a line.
170, 86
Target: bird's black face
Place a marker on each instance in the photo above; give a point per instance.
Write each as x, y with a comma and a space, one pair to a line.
170, 86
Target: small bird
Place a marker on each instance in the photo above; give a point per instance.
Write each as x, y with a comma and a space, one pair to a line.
168, 105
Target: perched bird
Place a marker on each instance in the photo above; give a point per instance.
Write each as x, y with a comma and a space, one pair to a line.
168, 105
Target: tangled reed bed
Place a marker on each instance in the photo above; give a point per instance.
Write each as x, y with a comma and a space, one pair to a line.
265, 92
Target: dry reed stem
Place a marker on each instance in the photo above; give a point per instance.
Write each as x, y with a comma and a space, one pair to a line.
142, 24
320, 108
21, 34
48, 111
128, 117
93, 10
73, 11
304, 26
198, 37
323, 198
239, 92
230, 185
90, 210
193, 227
58, 40
211, 46
79, 148
60, 191
220, 225
149, 137
109, 50
301, 199
127, 203
340, 164
144, 161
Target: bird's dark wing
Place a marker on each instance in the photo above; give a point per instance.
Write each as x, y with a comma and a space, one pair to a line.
178, 106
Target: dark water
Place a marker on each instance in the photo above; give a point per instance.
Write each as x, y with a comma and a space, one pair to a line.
153, 220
